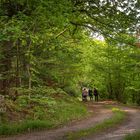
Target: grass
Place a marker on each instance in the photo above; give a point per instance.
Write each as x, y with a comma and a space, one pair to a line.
134, 136
66, 112
28, 125
57, 114
118, 117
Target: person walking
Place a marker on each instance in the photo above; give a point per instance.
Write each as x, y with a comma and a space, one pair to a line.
84, 94
90, 94
96, 94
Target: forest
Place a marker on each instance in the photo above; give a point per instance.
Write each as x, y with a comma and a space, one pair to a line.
50, 49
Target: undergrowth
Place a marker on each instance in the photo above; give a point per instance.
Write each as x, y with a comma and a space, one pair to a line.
40, 112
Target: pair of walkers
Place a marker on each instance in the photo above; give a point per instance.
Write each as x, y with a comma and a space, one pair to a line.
90, 93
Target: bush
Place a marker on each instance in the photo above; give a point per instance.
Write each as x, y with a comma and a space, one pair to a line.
72, 91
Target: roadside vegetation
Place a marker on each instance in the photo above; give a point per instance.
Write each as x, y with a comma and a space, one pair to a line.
133, 136
48, 111
116, 119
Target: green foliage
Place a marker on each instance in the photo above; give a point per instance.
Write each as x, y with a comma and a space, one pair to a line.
133, 136
50, 43
42, 113
41, 91
48, 52
21, 127
72, 91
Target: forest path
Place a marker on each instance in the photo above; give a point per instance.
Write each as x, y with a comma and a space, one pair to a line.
99, 112
130, 125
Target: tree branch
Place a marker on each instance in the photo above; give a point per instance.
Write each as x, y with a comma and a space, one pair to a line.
61, 32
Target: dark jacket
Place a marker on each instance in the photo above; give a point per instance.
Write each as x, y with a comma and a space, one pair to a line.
95, 92
90, 92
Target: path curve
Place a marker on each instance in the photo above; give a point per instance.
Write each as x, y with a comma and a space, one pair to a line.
99, 114
131, 125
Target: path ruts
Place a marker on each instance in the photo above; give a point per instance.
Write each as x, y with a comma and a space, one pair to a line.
99, 114
131, 125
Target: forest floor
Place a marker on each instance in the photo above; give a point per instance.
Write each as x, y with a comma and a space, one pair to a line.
99, 112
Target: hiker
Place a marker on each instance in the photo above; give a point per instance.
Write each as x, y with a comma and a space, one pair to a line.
90, 94
84, 94
96, 94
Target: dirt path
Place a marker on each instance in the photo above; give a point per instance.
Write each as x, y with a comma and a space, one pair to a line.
131, 125
99, 114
